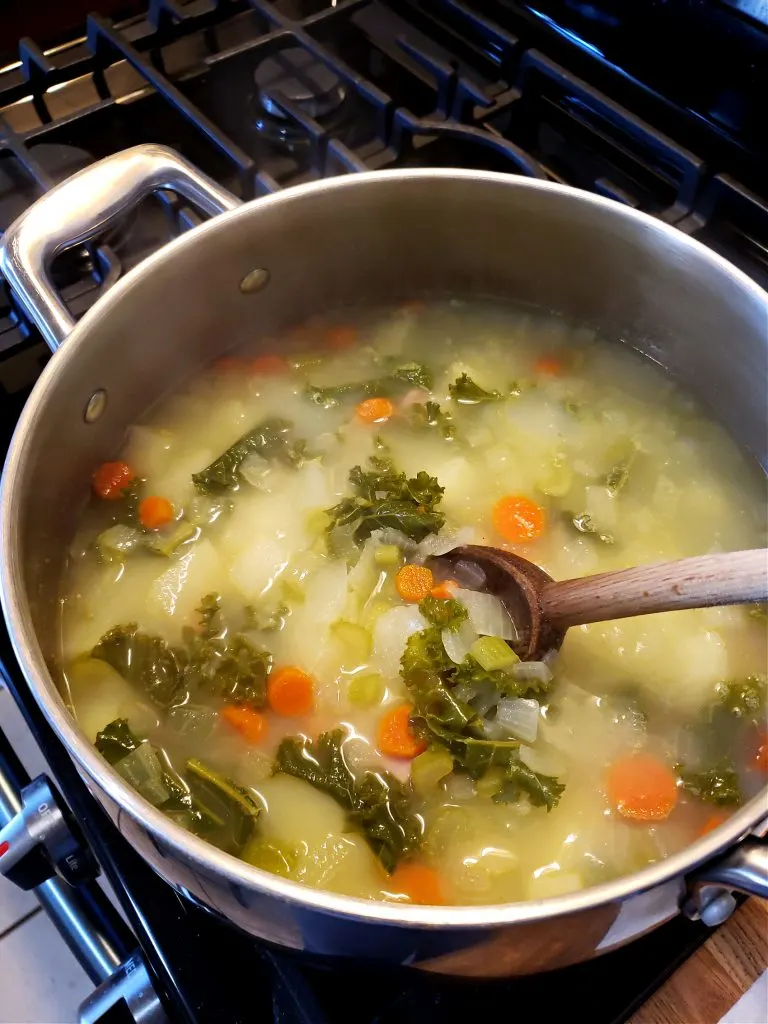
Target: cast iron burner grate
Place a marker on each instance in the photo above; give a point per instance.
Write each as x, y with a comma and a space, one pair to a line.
263, 95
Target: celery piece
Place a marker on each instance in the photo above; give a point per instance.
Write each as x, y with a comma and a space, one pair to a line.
167, 542
429, 768
356, 641
279, 860
366, 691
317, 522
387, 556
491, 783
118, 541
492, 653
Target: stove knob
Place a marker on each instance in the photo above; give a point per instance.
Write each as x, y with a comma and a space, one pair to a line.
44, 840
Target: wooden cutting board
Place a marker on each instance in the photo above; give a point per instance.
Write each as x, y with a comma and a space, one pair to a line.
717, 975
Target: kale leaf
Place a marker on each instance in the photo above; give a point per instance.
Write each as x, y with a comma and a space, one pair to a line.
378, 804
385, 498
442, 612
143, 660
429, 414
466, 392
541, 790
116, 741
230, 803
744, 698
443, 696
213, 659
270, 439
408, 375
717, 784
584, 524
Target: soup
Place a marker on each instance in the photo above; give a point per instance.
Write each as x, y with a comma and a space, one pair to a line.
256, 635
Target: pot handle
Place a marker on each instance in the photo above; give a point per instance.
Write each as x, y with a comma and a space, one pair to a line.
83, 207
744, 868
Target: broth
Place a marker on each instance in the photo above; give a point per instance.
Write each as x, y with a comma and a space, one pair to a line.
257, 601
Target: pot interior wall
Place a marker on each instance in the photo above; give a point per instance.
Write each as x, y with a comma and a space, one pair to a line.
377, 241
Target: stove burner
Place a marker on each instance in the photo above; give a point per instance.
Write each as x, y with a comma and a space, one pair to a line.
306, 83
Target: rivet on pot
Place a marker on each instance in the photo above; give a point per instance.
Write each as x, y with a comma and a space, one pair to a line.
97, 403
254, 281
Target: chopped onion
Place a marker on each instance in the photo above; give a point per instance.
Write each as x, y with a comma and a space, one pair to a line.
254, 468
532, 671
551, 657
390, 634
389, 535
441, 543
487, 614
486, 697
543, 761
520, 717
494, 730
458, 643
469, 574
459, 787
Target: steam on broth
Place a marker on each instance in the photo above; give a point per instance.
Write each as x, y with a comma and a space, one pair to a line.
251, 638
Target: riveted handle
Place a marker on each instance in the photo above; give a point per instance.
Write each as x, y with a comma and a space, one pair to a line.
82, 208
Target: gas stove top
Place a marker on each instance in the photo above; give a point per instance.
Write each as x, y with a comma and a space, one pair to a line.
658, 104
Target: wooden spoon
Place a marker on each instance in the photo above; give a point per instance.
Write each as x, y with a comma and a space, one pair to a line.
543, 609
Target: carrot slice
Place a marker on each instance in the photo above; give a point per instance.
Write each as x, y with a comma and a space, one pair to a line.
251, 725
419, 883
155, 512
518, 519
290, 692
111, 479
715, 821
341, 337
414, 582
394, 737
444, 590
374, 410
550, 365
269, 365
642, 788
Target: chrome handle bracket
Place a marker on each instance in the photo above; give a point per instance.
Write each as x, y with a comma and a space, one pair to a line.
80, 209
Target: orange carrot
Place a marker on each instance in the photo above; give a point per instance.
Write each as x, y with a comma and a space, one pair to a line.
760, 763
269, 365
229, 364
550, 365
414, 582
642, 788
374, 410
518, 519
444, 590
290, 692
251, 725
394, 737
418, 882
341, 337
155, 512
111, 479
713, 822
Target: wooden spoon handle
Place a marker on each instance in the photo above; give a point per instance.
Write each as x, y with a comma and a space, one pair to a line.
737, 577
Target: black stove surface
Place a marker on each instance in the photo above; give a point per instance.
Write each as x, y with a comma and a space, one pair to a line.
657, 104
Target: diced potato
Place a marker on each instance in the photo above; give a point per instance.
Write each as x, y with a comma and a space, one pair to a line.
176, 593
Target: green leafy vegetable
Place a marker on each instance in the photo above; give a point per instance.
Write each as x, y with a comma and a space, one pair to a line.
270, 439
408, 375
378, 804
116, 741
266, 620
231, 802
466, 392
385, 498
584, 524
442, 612
143, 660
541, 790
717, 784
744, 698
429, 414
443, 695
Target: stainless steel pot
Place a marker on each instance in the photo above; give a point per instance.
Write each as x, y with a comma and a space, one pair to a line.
257, 267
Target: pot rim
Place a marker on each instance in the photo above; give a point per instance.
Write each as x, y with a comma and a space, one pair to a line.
203, 854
